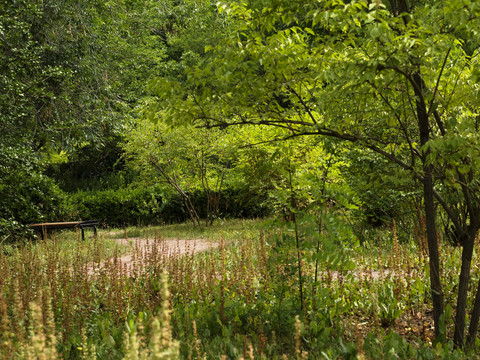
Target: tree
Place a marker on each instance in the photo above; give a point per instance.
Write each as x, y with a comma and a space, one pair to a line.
71, 74
32, 101
397, 79
185, 159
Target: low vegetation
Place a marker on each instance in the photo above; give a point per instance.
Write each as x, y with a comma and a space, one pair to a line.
243, 299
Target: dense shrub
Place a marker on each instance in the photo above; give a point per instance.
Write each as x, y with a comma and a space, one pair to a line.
118, 207
234, 203
149, 205
26, 195
384, 191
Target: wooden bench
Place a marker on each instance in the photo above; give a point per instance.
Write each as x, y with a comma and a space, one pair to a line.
42, 227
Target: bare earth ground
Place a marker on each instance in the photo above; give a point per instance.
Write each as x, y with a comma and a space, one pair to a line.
168, 246
140, 250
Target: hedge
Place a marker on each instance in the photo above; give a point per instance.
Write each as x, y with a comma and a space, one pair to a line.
146, 205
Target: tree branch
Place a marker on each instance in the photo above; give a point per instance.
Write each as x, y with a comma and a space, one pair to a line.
437, 117
305, 106
451, 214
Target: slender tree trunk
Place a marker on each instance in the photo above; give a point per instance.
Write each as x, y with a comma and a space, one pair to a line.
293, 205
475, 316
320, 226
436, 286
208, 214
402, 7
429, 203
467, 252
299, 259
216, 199
190, 208
472, 330
171, 180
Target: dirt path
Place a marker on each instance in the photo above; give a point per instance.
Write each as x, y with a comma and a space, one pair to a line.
168, 247
141, 251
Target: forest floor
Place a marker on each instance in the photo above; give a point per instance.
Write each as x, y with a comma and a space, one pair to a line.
169, 247
137, 251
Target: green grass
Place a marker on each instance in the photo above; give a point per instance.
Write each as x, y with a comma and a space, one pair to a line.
233, 229
69, 245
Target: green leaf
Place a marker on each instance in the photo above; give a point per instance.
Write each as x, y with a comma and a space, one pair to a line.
464, 169
310, 31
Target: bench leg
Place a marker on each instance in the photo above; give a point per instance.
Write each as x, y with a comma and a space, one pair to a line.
83, 233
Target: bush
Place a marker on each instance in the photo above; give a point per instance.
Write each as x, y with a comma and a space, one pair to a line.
234, 203
120, 207
150, 205
27, 195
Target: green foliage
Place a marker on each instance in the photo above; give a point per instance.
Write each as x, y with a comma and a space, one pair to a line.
393, 346
398, 81
387, 78
153, 205
386, 193
390, 309
119, 207
215, 173
72, 75
332, 74
27, 196
93, 166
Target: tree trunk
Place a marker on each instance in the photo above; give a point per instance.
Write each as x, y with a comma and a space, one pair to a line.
474, 319
467, 252
472, 330
191, 209
429, 203
436, 286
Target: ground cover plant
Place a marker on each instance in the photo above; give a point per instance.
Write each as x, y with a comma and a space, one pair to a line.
61, 298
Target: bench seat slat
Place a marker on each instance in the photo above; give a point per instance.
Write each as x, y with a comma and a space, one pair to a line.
64, 225
69, 223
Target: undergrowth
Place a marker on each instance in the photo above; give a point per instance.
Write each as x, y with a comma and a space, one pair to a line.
243, 299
